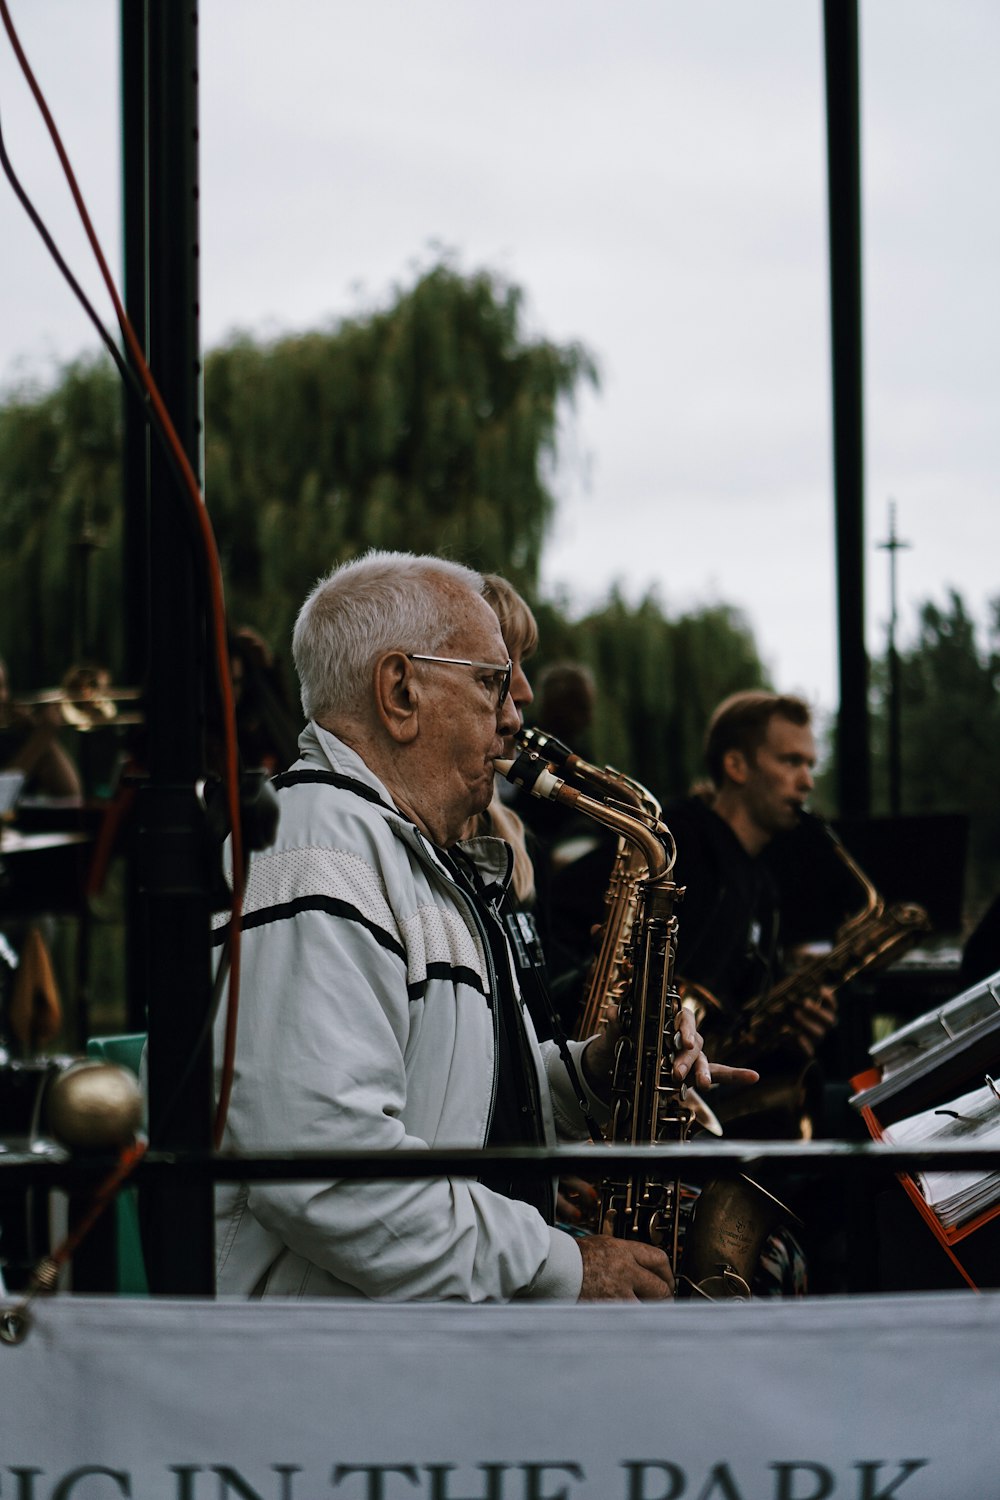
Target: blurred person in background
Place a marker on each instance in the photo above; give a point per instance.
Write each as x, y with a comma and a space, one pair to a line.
29, 742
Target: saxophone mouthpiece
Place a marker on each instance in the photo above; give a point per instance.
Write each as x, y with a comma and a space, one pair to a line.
532, 774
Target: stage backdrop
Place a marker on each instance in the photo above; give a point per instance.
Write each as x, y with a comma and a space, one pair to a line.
858, 1399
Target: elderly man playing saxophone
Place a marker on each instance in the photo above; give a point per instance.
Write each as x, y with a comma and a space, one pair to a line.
379, 1007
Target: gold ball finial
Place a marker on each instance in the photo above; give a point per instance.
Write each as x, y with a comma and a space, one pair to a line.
94, 1105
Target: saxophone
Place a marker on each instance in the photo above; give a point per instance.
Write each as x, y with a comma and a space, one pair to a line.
870, 939
635, 971
609, 977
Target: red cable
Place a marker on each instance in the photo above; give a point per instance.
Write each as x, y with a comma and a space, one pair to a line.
126, 1164
214, 573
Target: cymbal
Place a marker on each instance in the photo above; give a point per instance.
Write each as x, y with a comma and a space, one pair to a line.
96, 709
59, 695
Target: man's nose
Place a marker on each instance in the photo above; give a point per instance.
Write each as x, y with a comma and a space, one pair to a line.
806, 780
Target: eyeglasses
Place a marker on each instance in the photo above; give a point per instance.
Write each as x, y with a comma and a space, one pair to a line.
498, 682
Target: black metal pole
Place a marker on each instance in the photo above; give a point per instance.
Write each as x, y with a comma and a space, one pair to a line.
840, 26
135, 457
135, 443
134, 667
173, 856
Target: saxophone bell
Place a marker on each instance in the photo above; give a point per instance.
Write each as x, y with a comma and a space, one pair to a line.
732, 1221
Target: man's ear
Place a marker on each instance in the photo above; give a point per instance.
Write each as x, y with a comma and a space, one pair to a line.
397, 696
735, 766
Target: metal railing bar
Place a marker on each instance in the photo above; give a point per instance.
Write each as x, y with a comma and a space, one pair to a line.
59, 1168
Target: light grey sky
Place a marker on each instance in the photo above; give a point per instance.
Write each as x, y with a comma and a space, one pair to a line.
652, 174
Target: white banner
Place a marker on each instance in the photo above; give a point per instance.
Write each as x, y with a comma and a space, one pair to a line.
862, 1398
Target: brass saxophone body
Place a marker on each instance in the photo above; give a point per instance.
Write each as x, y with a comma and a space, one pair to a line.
870, 939
609, 976
647, 1105
608, 982
635, 972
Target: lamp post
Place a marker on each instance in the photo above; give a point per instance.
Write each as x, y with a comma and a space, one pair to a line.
893, 545
843, 113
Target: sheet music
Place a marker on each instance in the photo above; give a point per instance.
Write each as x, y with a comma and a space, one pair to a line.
917, 1049
973, 1117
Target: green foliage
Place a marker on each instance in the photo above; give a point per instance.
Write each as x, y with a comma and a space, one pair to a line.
949, 715
949, 709
424, 427
657, 678
60, 524
428, 425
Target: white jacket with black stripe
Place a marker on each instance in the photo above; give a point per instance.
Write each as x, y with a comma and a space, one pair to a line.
364, 1022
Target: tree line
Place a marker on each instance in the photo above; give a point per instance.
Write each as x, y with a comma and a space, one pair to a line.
429, 424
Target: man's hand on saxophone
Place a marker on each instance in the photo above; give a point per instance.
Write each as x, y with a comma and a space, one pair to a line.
691, 1066
632, 1270
811, 1019
623, 1271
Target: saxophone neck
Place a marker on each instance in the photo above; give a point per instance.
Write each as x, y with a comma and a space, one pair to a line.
603, 782
532, 773
873, 903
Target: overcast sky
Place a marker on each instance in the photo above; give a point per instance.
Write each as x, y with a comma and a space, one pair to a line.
652, 174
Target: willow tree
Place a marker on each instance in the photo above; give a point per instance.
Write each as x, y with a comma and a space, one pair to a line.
428, 425
60, 524
658, 678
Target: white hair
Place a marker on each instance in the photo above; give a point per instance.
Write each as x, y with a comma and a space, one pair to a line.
380, 602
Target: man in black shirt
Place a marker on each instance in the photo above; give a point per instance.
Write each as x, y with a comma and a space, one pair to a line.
760, 753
